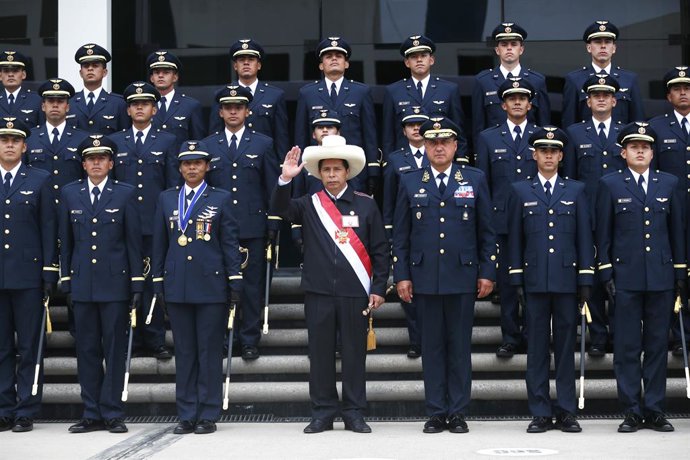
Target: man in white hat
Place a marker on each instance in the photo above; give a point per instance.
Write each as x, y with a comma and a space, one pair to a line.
344, 276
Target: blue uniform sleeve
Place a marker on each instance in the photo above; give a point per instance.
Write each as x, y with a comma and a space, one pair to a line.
66, 236
368, 127
677, 233
230, 245
636, 107
215, 122
604, 231
543, 115
569, 109
486, 236
49, 226
270, 177
197, 128
478, 119
302, 131
390, 187
482, 160
281, 139
585, 244
515, 238
456, 114
401, 235
160, 246
570, 157
133, 236
389, 125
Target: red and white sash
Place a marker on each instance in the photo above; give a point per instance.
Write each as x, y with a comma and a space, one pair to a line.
345, 238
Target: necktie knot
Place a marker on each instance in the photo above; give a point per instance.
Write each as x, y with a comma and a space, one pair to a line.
56, 136
96, 191
686, 125
8, 177
163, 101
602, 126
441, 184
510, 75
547, 189
140, 134
517, 130
418, 154
190, 195
420, 89
640, 181
8, 180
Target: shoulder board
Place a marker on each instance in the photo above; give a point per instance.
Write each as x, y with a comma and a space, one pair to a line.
363, 194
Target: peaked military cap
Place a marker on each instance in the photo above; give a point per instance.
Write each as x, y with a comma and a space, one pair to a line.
603, 82
677, 75
636, 131
92, 52
163, 59
193, 150
246, 47
600, 29
56, 88
506, 31
12, 58
141, 91
10, 126
326, 118
96, 144
417, 44
515, 85
333, 44
439, 128
414, 114
548, 136
232, 94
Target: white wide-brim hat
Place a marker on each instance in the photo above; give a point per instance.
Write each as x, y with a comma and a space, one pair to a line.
334, 147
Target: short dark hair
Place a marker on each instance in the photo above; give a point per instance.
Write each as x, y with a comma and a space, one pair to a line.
345, 163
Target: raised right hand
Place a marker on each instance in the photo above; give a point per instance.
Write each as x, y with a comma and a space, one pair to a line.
291, 164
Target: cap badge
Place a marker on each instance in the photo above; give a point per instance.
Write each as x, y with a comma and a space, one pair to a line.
233, 93
415, 37
56, 86
138, 90
89, 46
96, 143
244, 46
516, 84
192, 146
9, 125
10, 57
161, 58
437, 125
334, 38
324, 113
89, 51
549, 135
602, 81
602, 28
334, 43
508, 30
415, 43
641, 130
681, 73
415, 109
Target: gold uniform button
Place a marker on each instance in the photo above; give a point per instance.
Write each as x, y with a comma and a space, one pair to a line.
94, 233
646, 209
234, 165
95, 221
442, 235
93, 261
442, 251
518, 170
189, 257
234, 176
93, 248
140, 185
7, 201
164, 126
249, 125
395, 258
604, 153
687, 162
518, 157
7, 216
552, 250
234, 201
189, 239
234, 189
687, 148
493, 257
550, 237
443, 203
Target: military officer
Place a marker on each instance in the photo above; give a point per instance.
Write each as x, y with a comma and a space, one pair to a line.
503, 153
672, 153
146, 159
196, 269
94, 109
102, 272
552, 266
409, 158
177, 113
242, 163
436, 96
16, 100
640, 252
487, 109
53, 146
28, 271
591, 153
344, 276
444, 255
600, 38
353, 102
267, 110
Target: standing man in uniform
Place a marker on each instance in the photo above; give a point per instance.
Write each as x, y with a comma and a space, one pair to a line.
242, 162
552, 266
102, 272
94, 109
196, 266
503, 153
177, 113
444, 255
16, 101
28, 273
267, 110
487, 103
590, 154
600, 38
350, 99
672, 154
437, 97
53, 146
344, 276
640, 240
146, 159
409, 158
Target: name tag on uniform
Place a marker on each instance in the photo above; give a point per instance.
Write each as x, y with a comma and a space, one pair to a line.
500, 150
464, 191
529, 204
351, 221
670, 141
403, 102
624, 200
36, 151
76, 211
404, 168
317, 107
122, 154
215, 159
585, 146
490, 93
420, 195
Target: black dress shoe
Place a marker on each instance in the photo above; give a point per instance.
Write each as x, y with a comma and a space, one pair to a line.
162, 352
540, 425
6, 423
22, 424
596, 351
358, 425
184, 427
631, 424
457, 424
435, 424
677, 350
205, 427
250, 352
415, 351
87, 425
658, 422
507, 350
567, 423
318, 425
116, 425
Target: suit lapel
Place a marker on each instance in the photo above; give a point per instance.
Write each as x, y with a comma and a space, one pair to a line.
325, 94
412, 92
244, 145
632, 187
105, 198
539, 191
18, 181
557, 192
652, 187
676, 128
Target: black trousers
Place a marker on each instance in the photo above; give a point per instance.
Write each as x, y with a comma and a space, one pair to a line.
324, 316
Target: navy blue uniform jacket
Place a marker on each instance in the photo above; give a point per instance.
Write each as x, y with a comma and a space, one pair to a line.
109, 113
27, 107
183, 119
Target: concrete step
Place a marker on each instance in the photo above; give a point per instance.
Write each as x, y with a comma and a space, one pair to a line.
397, 390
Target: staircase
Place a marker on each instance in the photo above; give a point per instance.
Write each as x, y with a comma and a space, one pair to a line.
277, 383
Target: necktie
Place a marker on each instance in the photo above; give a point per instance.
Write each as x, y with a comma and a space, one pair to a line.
509, 76
233, 146
190, 197
334, 93
441, 184
249, 88
10, 102
686, 128
139, 143
547, 187
89, 104
163, 110
418, 155
518, 136
602, 134
56, 135
640, 183
419, 90
95, 192
6, 184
